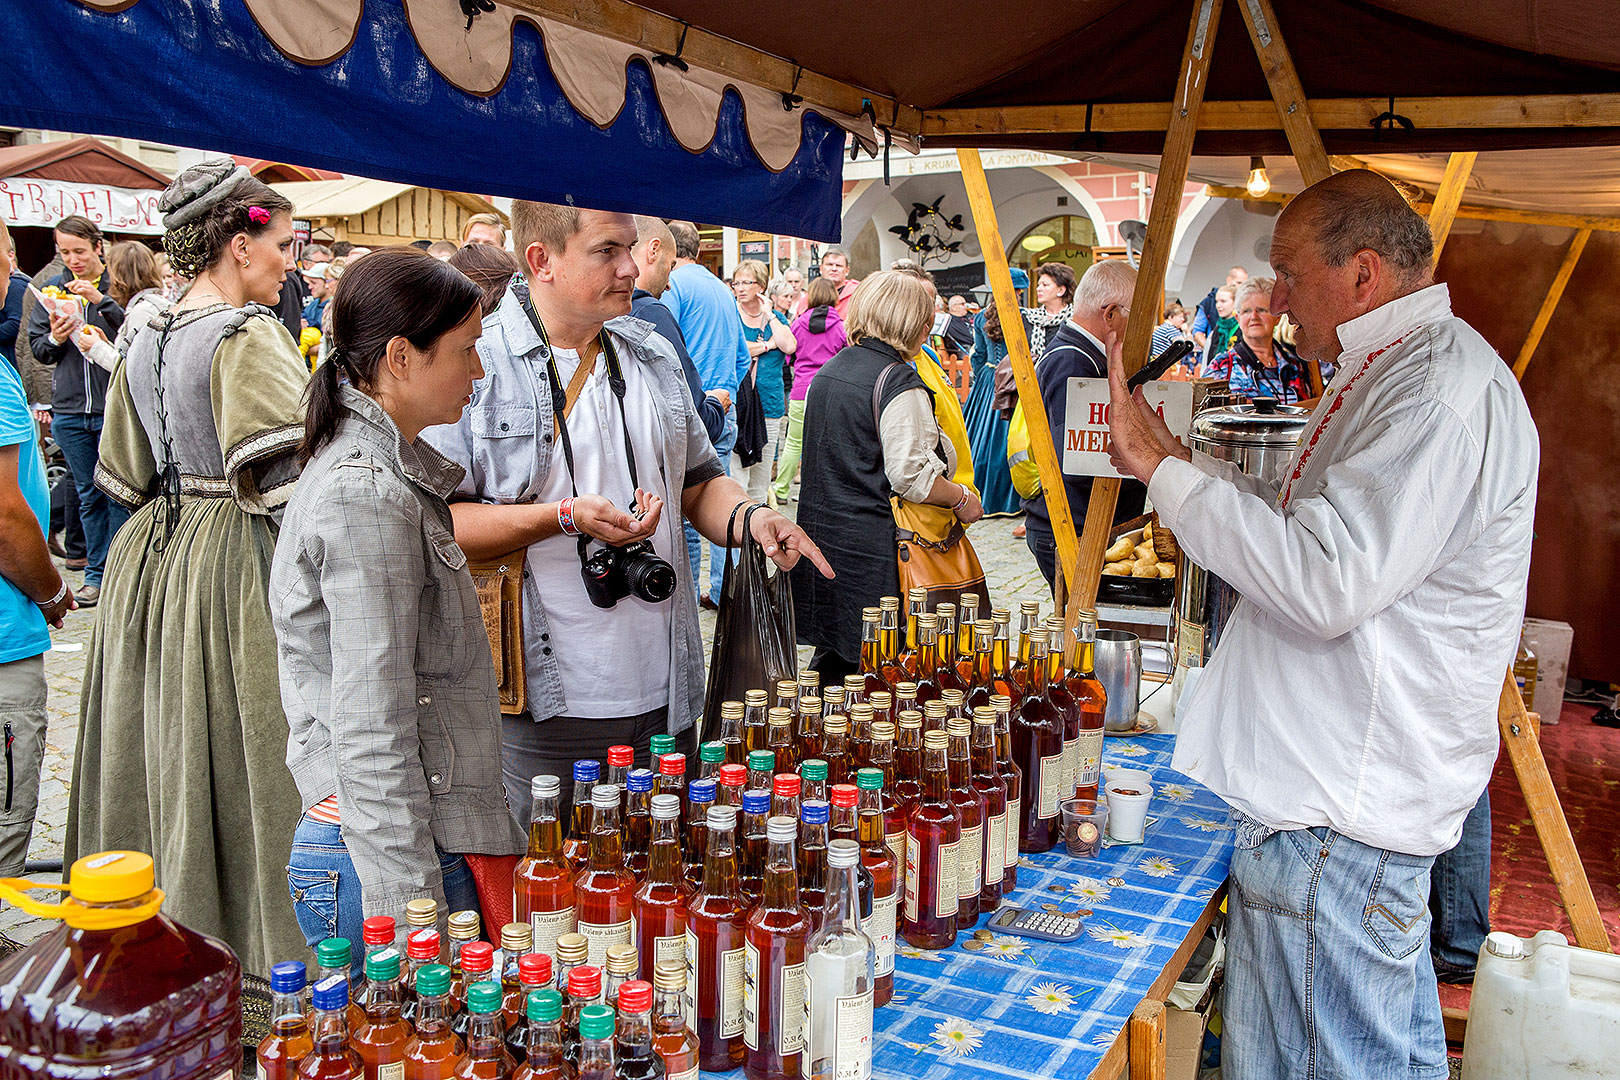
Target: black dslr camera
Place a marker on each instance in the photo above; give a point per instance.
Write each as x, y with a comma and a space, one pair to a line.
614, 573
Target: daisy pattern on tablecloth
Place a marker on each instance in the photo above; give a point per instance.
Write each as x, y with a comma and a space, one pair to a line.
1204, 824
1133, 750
1118, 937
1175, 792
1050, 998
912, 953
1105, 1039
1006, 947
1158, 866
957, 1037
1093, 889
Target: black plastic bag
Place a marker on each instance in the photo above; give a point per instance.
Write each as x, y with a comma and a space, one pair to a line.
754, 642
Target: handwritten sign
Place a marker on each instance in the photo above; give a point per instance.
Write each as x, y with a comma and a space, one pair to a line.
25, 200
1085, 424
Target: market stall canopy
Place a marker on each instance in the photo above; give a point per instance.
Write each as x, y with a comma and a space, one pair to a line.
419, 92
42, 183
373, 213
272, 172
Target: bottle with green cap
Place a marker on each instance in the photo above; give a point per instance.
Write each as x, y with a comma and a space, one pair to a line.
711, 755
813, 780
486, 1058
596, 1043
434, 1049
761, 767
335, 956
381, 1037
545, 1045
661, 745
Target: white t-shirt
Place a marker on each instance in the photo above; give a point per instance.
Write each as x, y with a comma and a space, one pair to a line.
603, 671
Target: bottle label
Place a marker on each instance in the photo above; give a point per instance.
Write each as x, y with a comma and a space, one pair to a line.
751, 996
852, 1039
394, 1070
732, 993
945, 896
599, 936
790, 1011
995, 849
1015, 815
689, 1074
548, 926
881, 930
896, 843
970, 863
1089, 751
689, 996
667, 950
1050, 790
913, 880
1071, 768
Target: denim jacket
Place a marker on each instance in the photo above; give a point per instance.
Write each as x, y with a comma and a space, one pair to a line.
386, 676
504, 442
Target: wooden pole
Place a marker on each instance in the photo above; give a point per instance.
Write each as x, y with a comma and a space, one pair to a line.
1147, 1041
1554, 293
1449, 197
1167, 189
999, 274
1548, 817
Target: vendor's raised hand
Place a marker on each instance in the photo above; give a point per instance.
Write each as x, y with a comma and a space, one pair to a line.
86, 289
784, 542
597, 517
1139, 440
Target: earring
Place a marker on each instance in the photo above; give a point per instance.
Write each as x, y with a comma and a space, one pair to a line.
246, 263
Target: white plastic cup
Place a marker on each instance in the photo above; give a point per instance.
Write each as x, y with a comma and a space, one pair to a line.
1124, 774
1127, 814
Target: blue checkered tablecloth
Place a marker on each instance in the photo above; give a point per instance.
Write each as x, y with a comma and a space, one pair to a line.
1017, 1007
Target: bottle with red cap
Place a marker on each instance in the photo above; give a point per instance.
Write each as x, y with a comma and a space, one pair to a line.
421, 949
672, 781
634, 1056
584, 988
377, 933
534, 973
733, 780
620, 760
785, 795
477, 965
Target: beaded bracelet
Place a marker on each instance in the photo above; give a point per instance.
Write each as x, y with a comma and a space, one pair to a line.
565, 517
57, 599
963, 501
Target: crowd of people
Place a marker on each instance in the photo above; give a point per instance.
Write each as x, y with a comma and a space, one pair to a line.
306, 457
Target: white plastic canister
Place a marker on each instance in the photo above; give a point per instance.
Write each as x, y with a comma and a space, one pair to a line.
1543, 1009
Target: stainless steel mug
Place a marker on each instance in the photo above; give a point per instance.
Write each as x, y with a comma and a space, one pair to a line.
1119, 668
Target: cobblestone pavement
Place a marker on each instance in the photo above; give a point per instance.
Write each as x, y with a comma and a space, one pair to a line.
1009, 568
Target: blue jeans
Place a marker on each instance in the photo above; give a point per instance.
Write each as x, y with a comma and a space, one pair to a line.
325, 887
1327, 969
79, 436
694, 542
1460, 895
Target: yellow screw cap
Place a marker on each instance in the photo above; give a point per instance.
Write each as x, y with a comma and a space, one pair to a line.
110, 877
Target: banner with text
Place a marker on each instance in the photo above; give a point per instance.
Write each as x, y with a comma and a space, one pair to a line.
1085, 425
25, 200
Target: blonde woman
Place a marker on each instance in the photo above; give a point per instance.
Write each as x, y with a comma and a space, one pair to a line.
854, 461
770, 343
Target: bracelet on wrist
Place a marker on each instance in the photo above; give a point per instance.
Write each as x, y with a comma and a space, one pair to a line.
61, 594
565, 517
963, 501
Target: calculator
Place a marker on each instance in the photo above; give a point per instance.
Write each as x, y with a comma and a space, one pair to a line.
1027, 922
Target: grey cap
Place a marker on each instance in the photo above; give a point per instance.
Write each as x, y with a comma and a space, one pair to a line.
720, 817
843, 853
666, 807
545, 786
198, 190
781, 830
605, 796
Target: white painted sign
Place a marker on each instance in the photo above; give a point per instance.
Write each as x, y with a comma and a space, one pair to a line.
1085, 425
25, 200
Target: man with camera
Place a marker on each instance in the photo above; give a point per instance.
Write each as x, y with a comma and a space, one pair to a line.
611, 643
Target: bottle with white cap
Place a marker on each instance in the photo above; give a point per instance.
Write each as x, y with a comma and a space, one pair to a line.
839, 970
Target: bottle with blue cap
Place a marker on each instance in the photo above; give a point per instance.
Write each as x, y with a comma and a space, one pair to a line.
638, 820
813, 817
288, 1042
577, 848
700, 795
331, 1058
335, 956
756, 808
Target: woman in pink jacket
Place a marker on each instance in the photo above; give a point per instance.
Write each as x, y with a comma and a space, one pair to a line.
820, 334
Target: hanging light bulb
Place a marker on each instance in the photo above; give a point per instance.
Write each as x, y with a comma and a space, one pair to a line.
1259, 184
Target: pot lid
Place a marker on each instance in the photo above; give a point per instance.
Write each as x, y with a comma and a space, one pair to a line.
1260, 423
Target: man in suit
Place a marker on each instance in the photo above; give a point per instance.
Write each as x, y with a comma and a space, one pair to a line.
1079, 349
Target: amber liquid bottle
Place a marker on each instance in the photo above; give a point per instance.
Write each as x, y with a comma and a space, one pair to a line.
854, 689
990, 784
289, 1041
925, 663
916, 607
620, 760
634, 1056
486, 1057
787, 695
1014, 776
1001, 655
835, 749
1088, 692
433, 1049
905, 698
935, 713
946, 675
967, 616
543, 1039
661, 901
751, 843
731, 732
908, 760
872, 649
807, 736
773, 1021
814, 815
894, 812
638, 821
755, 704
1037, 735
1029, 632
577, 848
933, 831
971, 812
779, 740
984, 672
604, 891
701, 796
880, 862
533, 973
543, 883
381, 1038
860, 737
715, 923
477, 965
672, 1038
330, 1057
889, 637
1057, 692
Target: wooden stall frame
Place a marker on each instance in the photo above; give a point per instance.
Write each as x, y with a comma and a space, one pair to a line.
1555, 292
1448, 198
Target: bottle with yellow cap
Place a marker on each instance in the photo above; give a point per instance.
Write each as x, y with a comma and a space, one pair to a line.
78, 996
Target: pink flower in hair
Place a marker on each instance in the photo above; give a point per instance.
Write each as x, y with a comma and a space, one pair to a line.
258, 215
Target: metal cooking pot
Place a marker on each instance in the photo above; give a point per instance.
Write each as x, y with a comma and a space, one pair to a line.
1260, 439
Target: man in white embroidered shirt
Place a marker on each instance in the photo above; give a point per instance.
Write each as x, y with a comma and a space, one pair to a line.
1349, 713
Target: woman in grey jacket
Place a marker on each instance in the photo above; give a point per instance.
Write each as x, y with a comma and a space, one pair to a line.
394, 724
